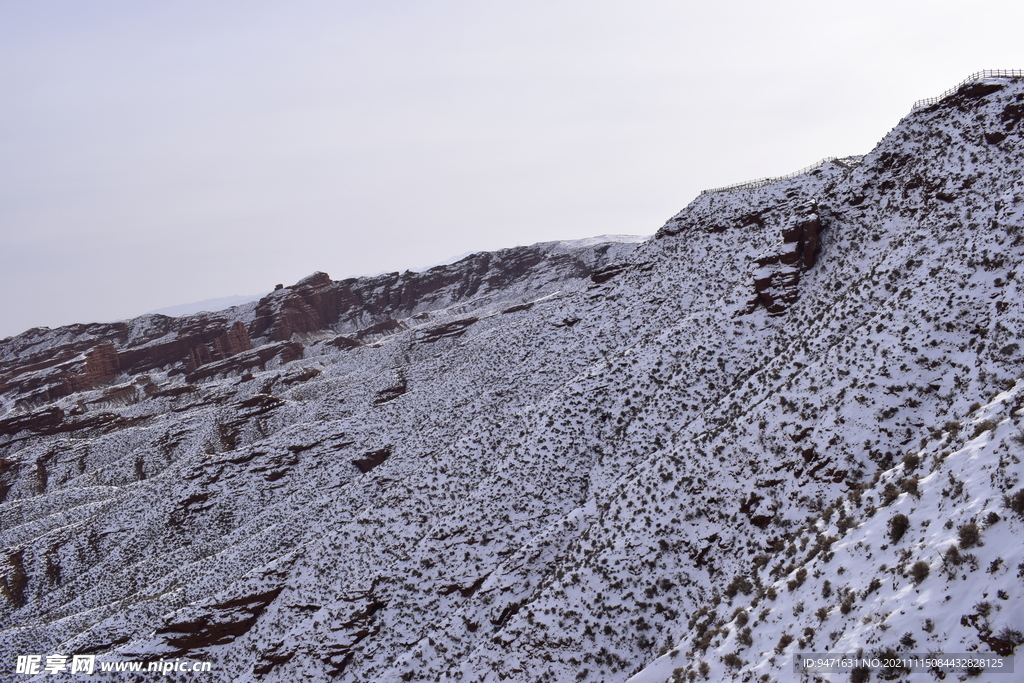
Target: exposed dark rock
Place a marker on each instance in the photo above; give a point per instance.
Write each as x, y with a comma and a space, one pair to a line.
175, 390
310, 305
186, 335
467, 591
776, 279
40, 422
385, 327
389, 393
608, 272
344, 342
317, 302
124, 394
216, 624
372, 459
963, 98
195, 503
337, 659
1012, 114
14, 580
104, 351
103, 646
260, 403
752, 219
232, 342
506, 615
272, 658
301, 375
456, 328
96, 422
101, 365
285, 352
64, 372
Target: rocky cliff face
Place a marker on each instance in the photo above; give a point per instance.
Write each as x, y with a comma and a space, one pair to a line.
759, 432
43, 365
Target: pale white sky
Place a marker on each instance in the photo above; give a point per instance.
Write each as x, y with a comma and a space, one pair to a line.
154, 154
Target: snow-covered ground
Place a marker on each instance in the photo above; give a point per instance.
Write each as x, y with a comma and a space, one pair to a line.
686, 466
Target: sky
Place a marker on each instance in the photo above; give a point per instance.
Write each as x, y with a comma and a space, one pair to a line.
155, 154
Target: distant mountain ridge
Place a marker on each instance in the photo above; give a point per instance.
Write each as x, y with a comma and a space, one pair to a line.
207, 305
792, 421
43, 365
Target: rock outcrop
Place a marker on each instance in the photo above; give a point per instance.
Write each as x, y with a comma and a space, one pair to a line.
366, 304
777, 277
231, 343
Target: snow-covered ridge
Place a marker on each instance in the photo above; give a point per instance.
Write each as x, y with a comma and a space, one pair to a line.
974, 77
845, 162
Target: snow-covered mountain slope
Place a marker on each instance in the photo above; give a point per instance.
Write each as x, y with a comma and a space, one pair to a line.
590, 462
927, 559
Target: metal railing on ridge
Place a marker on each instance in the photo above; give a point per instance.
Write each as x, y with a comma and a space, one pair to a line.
762, 182
988, 73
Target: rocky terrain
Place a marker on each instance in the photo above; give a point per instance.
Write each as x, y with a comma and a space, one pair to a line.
788, 422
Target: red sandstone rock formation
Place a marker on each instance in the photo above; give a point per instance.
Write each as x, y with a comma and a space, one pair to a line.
231, 343
42, 365
101, 365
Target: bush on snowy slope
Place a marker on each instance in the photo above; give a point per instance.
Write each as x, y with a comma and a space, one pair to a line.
872, 594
